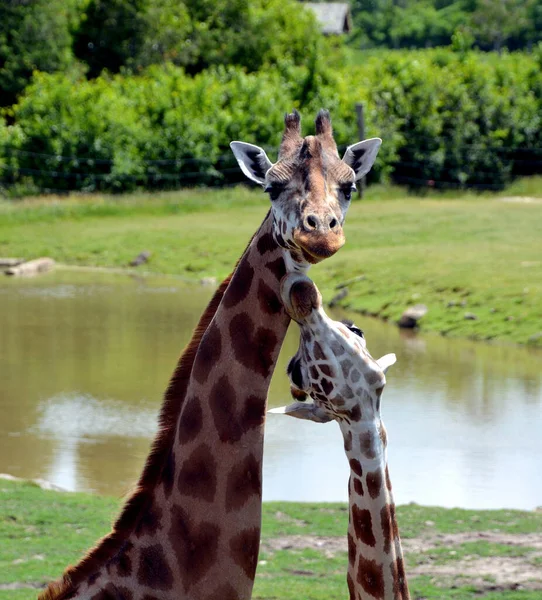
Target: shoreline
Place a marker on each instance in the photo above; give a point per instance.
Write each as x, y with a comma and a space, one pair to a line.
474, 262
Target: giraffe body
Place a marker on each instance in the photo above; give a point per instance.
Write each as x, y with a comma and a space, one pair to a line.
191, 530
334, 368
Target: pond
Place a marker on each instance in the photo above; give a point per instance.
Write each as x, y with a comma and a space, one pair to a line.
85, 358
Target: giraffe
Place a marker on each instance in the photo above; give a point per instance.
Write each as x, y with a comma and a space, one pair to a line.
191, 529
334, 367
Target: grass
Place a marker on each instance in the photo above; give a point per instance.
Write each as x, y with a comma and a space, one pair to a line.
43, 531
457, 255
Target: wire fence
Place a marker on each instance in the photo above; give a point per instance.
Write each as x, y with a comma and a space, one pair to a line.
41, 172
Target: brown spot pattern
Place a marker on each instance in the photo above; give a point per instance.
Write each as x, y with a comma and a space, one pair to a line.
122, 561
268, 299
351, 550
327, 386
168, 473
195, 545
240, 285
265, 243
356, 466
351, 587
358, 486
230, 423
388, 481
277, 267
111, 592
244, 548
318, 353
346, 365
348, 441
355, 413
153, 570
363, 525
208, 353
327, 370
386, 526
253, 349
149, 522
197, 477
124, 593
400, 586
191, 420
224, 592
367, 444
371, 577
244, 482
374, 483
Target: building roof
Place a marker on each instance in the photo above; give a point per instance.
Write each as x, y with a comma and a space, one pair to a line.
334, 17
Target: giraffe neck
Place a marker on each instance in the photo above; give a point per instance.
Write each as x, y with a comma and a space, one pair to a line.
196, 531
375, 556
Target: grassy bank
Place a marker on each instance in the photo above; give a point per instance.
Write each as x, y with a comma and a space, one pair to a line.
450, 554
475, 261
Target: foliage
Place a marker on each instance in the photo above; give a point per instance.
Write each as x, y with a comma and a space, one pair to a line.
34, 35
195, 34
447, 119
493, 24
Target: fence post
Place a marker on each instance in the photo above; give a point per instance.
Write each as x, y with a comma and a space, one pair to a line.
361, 135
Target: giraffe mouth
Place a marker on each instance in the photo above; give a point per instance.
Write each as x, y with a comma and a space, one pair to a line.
317, 247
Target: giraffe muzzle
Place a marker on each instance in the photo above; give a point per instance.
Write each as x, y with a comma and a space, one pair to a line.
317, 246
299, 295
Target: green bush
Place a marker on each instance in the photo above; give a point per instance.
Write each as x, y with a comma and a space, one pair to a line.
195, 34
34, 35
447, 119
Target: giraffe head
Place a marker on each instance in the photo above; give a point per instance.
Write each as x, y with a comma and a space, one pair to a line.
310, 187
332, 364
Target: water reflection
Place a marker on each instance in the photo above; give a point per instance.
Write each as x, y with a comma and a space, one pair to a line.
84, 360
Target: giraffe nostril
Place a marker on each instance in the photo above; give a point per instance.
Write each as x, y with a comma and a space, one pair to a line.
312, 222
333, 223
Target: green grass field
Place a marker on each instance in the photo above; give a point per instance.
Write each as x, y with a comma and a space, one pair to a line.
450, 554
469, 254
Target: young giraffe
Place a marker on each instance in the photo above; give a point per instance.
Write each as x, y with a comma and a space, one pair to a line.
335, 368
191, 530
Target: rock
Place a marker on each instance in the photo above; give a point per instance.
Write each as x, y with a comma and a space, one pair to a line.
208, 281
338, 297
470, 316
10, 262
32, 267
411, 316
451, 304
463, 303
140, 259
350, 281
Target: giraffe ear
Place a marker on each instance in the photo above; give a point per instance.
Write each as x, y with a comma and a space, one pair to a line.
361, 156
386, 361
304, 410
252, 160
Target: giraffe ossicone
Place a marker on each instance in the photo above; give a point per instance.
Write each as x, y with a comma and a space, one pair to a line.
191, 530
334, 368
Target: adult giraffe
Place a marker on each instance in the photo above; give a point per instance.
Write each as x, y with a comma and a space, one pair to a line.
191, 531
334, 367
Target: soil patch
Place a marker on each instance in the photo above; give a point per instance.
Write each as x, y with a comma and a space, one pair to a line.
486, 573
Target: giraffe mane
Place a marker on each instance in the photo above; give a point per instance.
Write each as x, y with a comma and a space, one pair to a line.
110, 545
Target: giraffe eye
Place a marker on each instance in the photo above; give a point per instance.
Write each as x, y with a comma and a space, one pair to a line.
347, 191
274, 190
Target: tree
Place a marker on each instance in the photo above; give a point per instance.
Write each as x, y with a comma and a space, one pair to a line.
496, 21
34, 35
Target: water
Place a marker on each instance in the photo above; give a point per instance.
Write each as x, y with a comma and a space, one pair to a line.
84, 360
